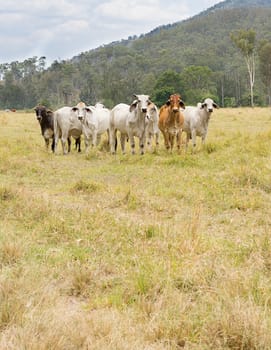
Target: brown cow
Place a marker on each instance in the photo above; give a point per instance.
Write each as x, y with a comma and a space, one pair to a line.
171, 121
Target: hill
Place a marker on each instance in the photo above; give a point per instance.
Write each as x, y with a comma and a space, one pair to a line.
203, 40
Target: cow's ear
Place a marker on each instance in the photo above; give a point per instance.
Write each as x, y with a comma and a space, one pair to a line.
168, 102
88, 109
203, 105
215, 105
74, 109
182, 104
133, 106
49, 113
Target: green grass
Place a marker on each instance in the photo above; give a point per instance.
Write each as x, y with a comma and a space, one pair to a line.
161, 251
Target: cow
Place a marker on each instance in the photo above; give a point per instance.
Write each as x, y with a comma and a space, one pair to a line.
46, 121
66, 124
131, 121
95, 122
137, 121
118, 122
171, 121
152, 130
196, 120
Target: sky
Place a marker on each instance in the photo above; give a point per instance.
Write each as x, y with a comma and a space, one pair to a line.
62, 29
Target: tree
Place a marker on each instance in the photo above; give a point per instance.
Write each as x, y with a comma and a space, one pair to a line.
265, 66
245, 42
41, 64
11, 95
167, 83
198, 83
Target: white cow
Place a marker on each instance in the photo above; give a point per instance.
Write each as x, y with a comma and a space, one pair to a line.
118, 122
66, 124
95, 122
152, 129
196, 120
131, 121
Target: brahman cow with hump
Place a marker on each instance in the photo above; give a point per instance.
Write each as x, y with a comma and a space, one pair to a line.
46, 121
67, 124
171, 121
95, 122
131, 121
196, 120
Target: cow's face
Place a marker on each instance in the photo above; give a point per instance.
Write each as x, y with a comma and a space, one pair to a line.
208, 104
79, 110
87, 113
40, 112
141, 102
175, 102
152, 112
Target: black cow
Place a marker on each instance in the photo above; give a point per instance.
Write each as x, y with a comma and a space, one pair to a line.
46, 121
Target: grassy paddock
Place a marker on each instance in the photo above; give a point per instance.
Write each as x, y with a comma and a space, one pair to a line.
154, 252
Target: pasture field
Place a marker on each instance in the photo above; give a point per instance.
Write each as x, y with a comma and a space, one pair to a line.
155, 252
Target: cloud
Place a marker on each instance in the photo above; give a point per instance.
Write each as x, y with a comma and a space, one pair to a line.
61, 29
41, 7
151, 11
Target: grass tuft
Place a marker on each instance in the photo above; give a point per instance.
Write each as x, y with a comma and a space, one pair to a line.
6, 194
86, 187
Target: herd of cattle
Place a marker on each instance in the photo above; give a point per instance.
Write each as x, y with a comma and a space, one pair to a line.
141, 119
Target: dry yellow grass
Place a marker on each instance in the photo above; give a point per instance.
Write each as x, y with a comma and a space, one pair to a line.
161, 251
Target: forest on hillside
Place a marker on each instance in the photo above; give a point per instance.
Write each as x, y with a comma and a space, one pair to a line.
196, 58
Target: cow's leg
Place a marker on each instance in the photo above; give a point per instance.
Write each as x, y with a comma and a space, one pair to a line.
69, 144
46, 143
78, 144
193, 135
122, 142
149, 141
179, 138
132, 143
56, 137
188, 137
94, 138
113, 140
157, 139
116, 144
203, 138
86, 139
64, 139
53, 144
166, 139
63, 142
171, 141
142, 142
108, 137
